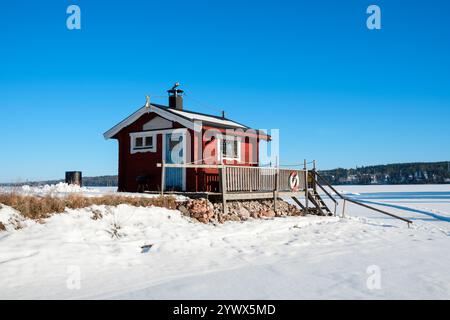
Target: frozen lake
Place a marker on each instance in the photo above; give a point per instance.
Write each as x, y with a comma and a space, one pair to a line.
284, 258
419, 203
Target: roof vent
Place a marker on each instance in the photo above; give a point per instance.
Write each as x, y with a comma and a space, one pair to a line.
176, 97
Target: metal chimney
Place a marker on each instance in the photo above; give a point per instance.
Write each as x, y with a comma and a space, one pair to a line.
176, 97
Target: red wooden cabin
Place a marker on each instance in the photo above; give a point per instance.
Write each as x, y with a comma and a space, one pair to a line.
157, 134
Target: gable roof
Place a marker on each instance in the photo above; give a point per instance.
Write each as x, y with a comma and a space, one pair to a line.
209, 119
189, 119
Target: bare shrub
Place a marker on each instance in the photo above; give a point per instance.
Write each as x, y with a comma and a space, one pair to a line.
41, 207
96, 215
115, 231
76, 201
32, 207
2, 227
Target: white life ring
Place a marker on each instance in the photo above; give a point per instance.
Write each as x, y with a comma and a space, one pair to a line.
294, 181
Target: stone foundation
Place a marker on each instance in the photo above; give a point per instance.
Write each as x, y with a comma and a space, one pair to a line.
204, 211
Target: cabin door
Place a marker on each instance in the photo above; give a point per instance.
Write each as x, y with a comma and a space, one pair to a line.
174, 154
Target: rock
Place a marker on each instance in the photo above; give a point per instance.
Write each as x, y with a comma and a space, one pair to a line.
254, 214
268, 214
244, 213
204, 211
183, 210
200, 209
234, 218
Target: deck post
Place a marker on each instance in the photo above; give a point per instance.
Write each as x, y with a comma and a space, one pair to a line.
163, 177
275, 192
314, 177
343, 209
223, 188
306, 188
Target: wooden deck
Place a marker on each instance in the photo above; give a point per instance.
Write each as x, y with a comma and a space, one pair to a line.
249, 183
257, 183
255, 195
262, 195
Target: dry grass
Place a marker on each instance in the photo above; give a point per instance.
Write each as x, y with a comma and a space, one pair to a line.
2, 227
37, 207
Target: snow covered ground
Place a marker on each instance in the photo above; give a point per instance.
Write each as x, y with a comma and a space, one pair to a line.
363, 256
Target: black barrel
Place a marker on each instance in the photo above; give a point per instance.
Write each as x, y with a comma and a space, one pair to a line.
74, 177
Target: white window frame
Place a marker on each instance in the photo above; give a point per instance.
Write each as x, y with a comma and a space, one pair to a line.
220, 148
143, 135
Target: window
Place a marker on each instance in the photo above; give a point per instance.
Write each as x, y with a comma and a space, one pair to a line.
149, 142
139, 142
142, 142
231, 149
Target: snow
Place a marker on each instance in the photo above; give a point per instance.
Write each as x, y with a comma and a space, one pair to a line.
64, 189
10, 218
203, 117
284, 258
61, 187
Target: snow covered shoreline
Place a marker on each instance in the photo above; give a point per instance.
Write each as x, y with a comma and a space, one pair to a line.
73, 256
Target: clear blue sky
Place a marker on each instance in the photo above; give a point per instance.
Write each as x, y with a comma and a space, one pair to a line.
339, 93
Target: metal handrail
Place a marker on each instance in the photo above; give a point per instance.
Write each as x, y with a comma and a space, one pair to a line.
359, 203
329, 185
381, 211
326, 192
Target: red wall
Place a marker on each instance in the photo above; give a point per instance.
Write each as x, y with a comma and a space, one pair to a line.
134, 165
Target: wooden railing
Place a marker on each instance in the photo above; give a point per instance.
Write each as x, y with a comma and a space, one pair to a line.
255, 179
245, 182
249, 179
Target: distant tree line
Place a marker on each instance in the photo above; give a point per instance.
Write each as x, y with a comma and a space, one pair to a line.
400, 173
102, 181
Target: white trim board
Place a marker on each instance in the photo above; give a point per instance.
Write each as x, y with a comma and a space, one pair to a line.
188, 119
135, 116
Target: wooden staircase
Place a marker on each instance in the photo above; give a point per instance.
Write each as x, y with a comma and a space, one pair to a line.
320, 208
